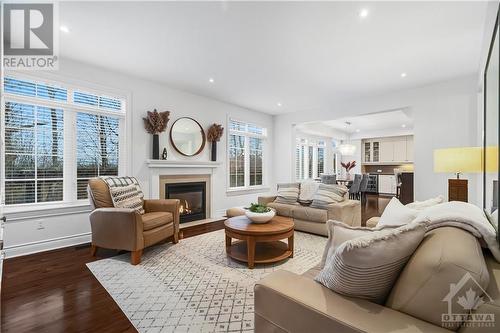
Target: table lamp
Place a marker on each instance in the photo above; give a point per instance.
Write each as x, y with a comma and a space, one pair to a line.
457, 161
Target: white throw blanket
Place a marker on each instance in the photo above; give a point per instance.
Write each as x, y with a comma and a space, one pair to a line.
465, 216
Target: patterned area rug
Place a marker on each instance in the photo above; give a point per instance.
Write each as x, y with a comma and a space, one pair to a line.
193, 286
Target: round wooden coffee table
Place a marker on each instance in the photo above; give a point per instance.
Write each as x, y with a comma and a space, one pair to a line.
259, 243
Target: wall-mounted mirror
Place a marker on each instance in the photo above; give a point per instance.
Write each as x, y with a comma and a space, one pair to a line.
187, 136
491, 131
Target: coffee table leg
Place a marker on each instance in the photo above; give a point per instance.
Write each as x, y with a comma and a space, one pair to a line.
251, 252
228, 242
290, 245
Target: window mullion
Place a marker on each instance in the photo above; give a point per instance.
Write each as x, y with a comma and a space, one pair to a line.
247, 162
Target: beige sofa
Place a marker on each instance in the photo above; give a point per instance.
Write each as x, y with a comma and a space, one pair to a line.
313, 220
287, 302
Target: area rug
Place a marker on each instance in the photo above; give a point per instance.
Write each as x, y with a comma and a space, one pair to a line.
193, 286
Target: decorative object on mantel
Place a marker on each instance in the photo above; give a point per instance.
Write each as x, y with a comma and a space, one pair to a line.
213, 135
164, 155
348, 167
156, 123
187, 136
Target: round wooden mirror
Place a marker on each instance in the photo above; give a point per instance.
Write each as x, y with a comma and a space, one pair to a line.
187, 136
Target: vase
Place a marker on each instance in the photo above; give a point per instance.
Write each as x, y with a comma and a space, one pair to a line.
348, 176
214, 151
156, 147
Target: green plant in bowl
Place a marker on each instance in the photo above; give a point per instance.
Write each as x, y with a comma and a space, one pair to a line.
257, 208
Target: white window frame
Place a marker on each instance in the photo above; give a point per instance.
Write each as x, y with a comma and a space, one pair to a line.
70, 110
247, 135
307, 143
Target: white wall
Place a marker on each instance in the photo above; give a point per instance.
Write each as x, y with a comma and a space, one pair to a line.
445, 115
23, 234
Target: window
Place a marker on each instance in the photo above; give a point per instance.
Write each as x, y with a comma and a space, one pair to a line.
309, 158
45, 159
246, 154
97, 148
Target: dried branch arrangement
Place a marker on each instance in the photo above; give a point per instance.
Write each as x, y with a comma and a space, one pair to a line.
215, 133
156, 122
348, 166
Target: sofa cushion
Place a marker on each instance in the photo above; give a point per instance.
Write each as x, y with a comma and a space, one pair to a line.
156, 219
127, 197
283, 209
328, 194
235, 211
100, 193
396, 214
308, 189
367, 266
421, 205
443, 258
310, 214
288, 193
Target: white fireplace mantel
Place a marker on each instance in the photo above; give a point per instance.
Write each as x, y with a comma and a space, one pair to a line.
181, 164
159, 168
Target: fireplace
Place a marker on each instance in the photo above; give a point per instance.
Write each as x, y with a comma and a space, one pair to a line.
192, 198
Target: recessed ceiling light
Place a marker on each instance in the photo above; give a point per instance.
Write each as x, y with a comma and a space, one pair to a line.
363, 13
358, 130
64, 28
279, 104
404, 125
211, 80
403, 74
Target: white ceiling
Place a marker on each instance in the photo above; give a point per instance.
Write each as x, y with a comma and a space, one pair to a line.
388, 123
390, 120
303, 55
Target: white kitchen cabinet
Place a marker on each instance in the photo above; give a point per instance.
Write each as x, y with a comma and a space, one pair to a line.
399, 150
387, 184
386, 151
409, 149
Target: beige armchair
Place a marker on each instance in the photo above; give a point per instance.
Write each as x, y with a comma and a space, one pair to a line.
124, 228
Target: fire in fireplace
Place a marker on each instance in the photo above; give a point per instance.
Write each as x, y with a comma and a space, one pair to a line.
192, 198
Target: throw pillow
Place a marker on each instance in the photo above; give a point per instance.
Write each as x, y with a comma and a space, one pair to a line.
288, 193
127, 197
396, 214
328, 194
420, 205
367, 266
308, 189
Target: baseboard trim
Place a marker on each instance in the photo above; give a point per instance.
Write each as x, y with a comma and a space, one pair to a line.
46, 245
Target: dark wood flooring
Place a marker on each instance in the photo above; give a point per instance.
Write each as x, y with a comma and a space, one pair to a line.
55, 292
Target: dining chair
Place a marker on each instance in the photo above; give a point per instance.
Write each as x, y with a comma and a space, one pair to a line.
354, 189
363, 187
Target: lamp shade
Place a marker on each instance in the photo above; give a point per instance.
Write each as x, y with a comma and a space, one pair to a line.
346, 149
463, 159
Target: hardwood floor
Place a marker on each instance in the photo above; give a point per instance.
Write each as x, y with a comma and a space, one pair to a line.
55, 292
374, 205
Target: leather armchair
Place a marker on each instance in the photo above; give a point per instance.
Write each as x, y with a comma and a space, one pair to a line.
124, 228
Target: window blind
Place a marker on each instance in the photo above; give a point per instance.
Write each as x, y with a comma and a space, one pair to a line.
97, 148
34, 153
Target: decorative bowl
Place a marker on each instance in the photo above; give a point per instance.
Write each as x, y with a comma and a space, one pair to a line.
260, 217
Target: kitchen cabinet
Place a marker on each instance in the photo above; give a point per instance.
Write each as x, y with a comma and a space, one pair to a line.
409, 149
389, 150
387, 184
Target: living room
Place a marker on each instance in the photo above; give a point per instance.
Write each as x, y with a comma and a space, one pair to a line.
180, 169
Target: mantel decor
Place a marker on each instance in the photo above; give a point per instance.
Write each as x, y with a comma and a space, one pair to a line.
156, 123
213, 135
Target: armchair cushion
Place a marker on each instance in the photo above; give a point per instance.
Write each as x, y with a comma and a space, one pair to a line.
100, 193
156, 219
127, 197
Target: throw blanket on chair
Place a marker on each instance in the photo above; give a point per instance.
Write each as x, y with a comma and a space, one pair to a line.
465, 216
